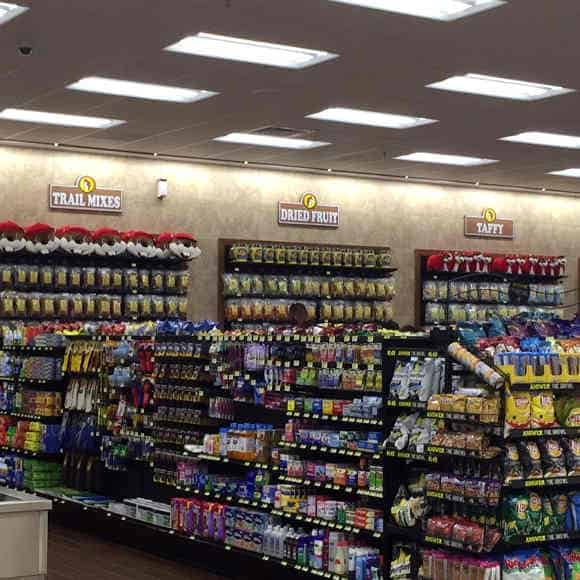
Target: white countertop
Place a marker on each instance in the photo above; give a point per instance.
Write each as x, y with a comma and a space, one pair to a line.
18, 501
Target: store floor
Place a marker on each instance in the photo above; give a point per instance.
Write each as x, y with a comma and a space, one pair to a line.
74, 555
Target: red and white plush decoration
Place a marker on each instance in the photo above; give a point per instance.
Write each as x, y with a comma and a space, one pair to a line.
435, 263
184, 247
140, 244
562, 264
162, 243
40, 239
543, 263
108, 242
534, 265
74, 240
11, 237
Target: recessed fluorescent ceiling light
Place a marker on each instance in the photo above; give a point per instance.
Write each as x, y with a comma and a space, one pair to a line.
547, 139
268, 141
28, 116
358, 117
422, 157
10, 11
241, 49
572, 172
499, 87
139, 90
445, 10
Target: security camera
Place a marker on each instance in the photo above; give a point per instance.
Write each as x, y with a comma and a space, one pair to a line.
162, 189
25, 50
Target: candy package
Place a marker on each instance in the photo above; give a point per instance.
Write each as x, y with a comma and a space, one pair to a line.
531, 460
553, 460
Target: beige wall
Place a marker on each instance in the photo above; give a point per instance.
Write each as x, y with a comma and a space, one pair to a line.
213, 202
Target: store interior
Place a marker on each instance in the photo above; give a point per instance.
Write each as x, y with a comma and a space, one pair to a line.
289, 289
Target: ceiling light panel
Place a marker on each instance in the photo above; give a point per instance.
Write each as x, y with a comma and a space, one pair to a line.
371, 118
499, 87
546, 139
139, 90
444, 10
571, 172
10, 11
243, 50
422, 157
269, 141
28, 116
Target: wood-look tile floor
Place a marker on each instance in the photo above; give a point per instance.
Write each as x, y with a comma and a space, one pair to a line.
74, 555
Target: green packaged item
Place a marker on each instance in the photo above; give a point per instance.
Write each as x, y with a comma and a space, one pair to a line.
516, 516
560, 507
536, 514
549, 521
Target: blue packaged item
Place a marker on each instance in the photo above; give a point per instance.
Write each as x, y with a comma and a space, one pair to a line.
573, 515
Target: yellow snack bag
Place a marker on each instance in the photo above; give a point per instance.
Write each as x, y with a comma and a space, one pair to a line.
543, 412
518, 410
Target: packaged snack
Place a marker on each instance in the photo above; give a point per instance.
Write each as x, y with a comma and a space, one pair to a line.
280, 254
256, 253
89, 275
182, 306
572, 448
536, 513
560, 505
171, 307
145, 306
542, 411
531, 460
132, 306
518, 411
183, 281
292, 255
516, 516
62, 305
34, 305
77, 306
314, 256
144, 280
269, 256
60, 277
48, 305
157, 306
553, 461
239, 253
170, 280
103, 306
90, 305
6, 276
158, 282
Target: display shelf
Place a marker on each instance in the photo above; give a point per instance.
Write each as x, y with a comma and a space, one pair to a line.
568, 481
547, 386
297, 518
460, 499
331, 486
308, 270
277, 565
398, 404
334, 451
541, 539
411, 455
462, 417
335, 418
27, 453
549, 432
33, 350
32, 417
189, 452
298, 364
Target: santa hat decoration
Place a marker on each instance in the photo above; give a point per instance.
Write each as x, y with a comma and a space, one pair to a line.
140, 244
74, 240
40, 239
184, 247
435, 263
108, 242
499, 265
162, 243
11, 237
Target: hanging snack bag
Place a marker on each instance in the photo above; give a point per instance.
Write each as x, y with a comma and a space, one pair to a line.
239, 253
6, 276
145, 306
60, 278
20, 306
326, 310
560, 504
303, 255
8, 304
572, 448
75, 278
90, 305
104, 306
76, 306
543, 413
34, 305
371, 288
536, 514
158, 306
283, 286
182, 307
158, 281
270, 285
256, 253
103, 278
531, 460
370, 259
553, 461
314, 256
292, 255
183, 281
62, 306
171, 308
116, 306
20, 277
280, 254
516, 516
89, 278
131, 306
33, 277
326, 256
48, 305
46, 277
269, 254
337, 288
296, 286
518, 411
131, 280
256, 285
170, 281
144, 281
232, 310
348, 311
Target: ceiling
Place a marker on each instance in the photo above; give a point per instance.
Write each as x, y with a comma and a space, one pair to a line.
385, 62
